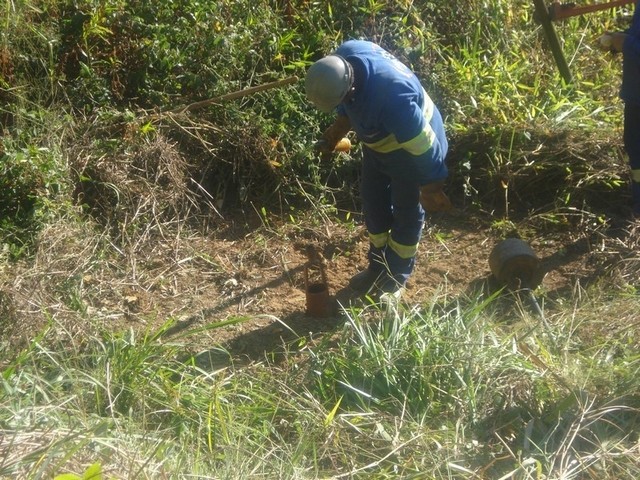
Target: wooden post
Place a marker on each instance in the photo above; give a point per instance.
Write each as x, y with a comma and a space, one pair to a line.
542, 14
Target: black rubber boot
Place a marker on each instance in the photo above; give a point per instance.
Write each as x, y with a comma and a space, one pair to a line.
364, 280
388, 284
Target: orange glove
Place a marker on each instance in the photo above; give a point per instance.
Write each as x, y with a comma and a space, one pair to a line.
334, 134
612, 42
433, 198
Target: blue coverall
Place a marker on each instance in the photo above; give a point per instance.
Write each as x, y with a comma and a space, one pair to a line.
630, 94
404, 148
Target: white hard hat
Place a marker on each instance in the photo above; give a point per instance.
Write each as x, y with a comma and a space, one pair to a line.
328, 81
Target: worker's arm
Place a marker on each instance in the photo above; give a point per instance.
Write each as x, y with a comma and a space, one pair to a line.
403, 117
334, 133
409, 125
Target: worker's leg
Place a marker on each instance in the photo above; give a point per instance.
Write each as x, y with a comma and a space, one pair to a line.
375, 192
408, 219
394, 231
632, 147
408, 174
393, 217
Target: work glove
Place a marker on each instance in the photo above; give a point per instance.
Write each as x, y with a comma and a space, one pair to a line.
434, 200
334, 134
612, 42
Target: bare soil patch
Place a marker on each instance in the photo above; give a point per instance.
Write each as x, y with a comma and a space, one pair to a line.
257, 275
235, 283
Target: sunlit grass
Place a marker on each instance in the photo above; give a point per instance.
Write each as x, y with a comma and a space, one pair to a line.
436, 389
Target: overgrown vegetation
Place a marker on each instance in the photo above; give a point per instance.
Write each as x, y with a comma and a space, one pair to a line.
100, 178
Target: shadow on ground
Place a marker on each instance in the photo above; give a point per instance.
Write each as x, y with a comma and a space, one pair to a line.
279, 337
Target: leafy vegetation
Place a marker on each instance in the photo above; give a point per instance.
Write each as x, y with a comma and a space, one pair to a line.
98, 168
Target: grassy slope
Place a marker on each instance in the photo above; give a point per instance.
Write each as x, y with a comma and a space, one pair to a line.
438, 391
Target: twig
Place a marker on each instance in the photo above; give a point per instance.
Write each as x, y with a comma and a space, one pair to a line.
226, 97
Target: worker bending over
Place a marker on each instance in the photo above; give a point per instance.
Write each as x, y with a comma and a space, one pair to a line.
404, 147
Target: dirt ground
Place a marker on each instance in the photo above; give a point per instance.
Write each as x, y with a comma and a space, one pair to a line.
237, 293
234, 287
259, 277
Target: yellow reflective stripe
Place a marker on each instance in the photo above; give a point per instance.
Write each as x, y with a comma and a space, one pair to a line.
421, 143
386, 145
379, 240
403, 251
429, 106
635, 175
424, 140
418, 145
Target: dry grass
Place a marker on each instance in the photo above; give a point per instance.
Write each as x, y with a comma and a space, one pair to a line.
625, 256
145, 183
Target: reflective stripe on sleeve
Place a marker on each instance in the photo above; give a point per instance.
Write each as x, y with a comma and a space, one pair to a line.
386, 145
418, 145
403, 251
421, 143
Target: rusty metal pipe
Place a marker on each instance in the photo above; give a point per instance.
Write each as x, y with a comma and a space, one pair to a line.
560, 11
318, 299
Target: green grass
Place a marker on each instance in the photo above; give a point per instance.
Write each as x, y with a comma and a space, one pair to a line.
440, 390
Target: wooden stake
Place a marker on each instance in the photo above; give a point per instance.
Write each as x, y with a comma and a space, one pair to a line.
231, 96
542, 14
